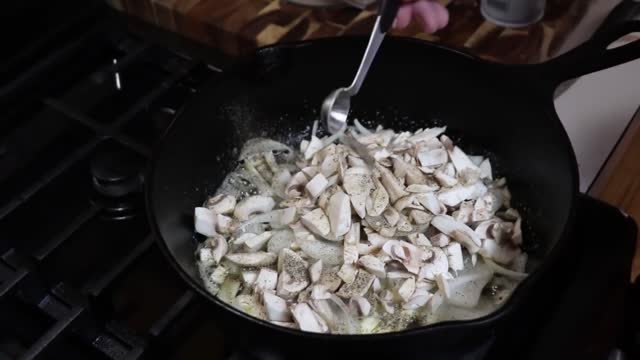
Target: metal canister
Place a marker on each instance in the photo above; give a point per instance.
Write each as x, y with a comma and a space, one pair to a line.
513, 13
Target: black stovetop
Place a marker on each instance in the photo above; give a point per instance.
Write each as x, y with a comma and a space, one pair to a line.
82, 105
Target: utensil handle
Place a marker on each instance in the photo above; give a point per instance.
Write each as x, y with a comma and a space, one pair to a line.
593, 55
387, 12
386, 15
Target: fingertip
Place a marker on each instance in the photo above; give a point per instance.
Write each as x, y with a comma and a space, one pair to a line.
442, 15
423, 13
404, 17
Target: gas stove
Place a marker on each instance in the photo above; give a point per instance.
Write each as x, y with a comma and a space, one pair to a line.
83, 101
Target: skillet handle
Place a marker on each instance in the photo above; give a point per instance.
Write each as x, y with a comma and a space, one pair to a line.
593, 55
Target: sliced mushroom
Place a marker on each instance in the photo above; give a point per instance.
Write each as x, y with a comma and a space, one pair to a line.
502, 254
464, 213
314, 146
421, 188
391, 215
455, 195
404, 226
378, 201
257, 242
440, 240
329, 165
276, 307
255, 259
432, 157
381, 154
205, 221
287, 287
485, 170
267, 279
225, 224
381, 225
222, 204
391, 184
454, 255
378, 240
406, 202
408, 254
458, 231
406, 290
445, 179
315, 271
330, 279
339, 211
307, 319
420, 239
486, 206
317, 222
413, 175
376, 285
249, 277
358, 287
420, 217
323, 199
427, 134
316, 185
253, 204
430, 202
382, 137
351, 241
348, 273
373, 265
484, 230
300, 204
296, 184
438, 264
356, 162
358, 184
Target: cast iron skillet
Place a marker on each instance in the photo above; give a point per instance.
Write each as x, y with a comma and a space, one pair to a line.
501, 110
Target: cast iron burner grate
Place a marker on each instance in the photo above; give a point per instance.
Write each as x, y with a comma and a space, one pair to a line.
79, 274
80, 277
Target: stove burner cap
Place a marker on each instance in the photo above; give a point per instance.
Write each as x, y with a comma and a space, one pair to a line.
117, 171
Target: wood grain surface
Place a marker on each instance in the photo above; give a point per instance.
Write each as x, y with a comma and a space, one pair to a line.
238, 26
619, 180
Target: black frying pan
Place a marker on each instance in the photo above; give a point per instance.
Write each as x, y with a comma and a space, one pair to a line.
501, 110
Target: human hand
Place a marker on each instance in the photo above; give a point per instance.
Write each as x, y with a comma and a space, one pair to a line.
430, 15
